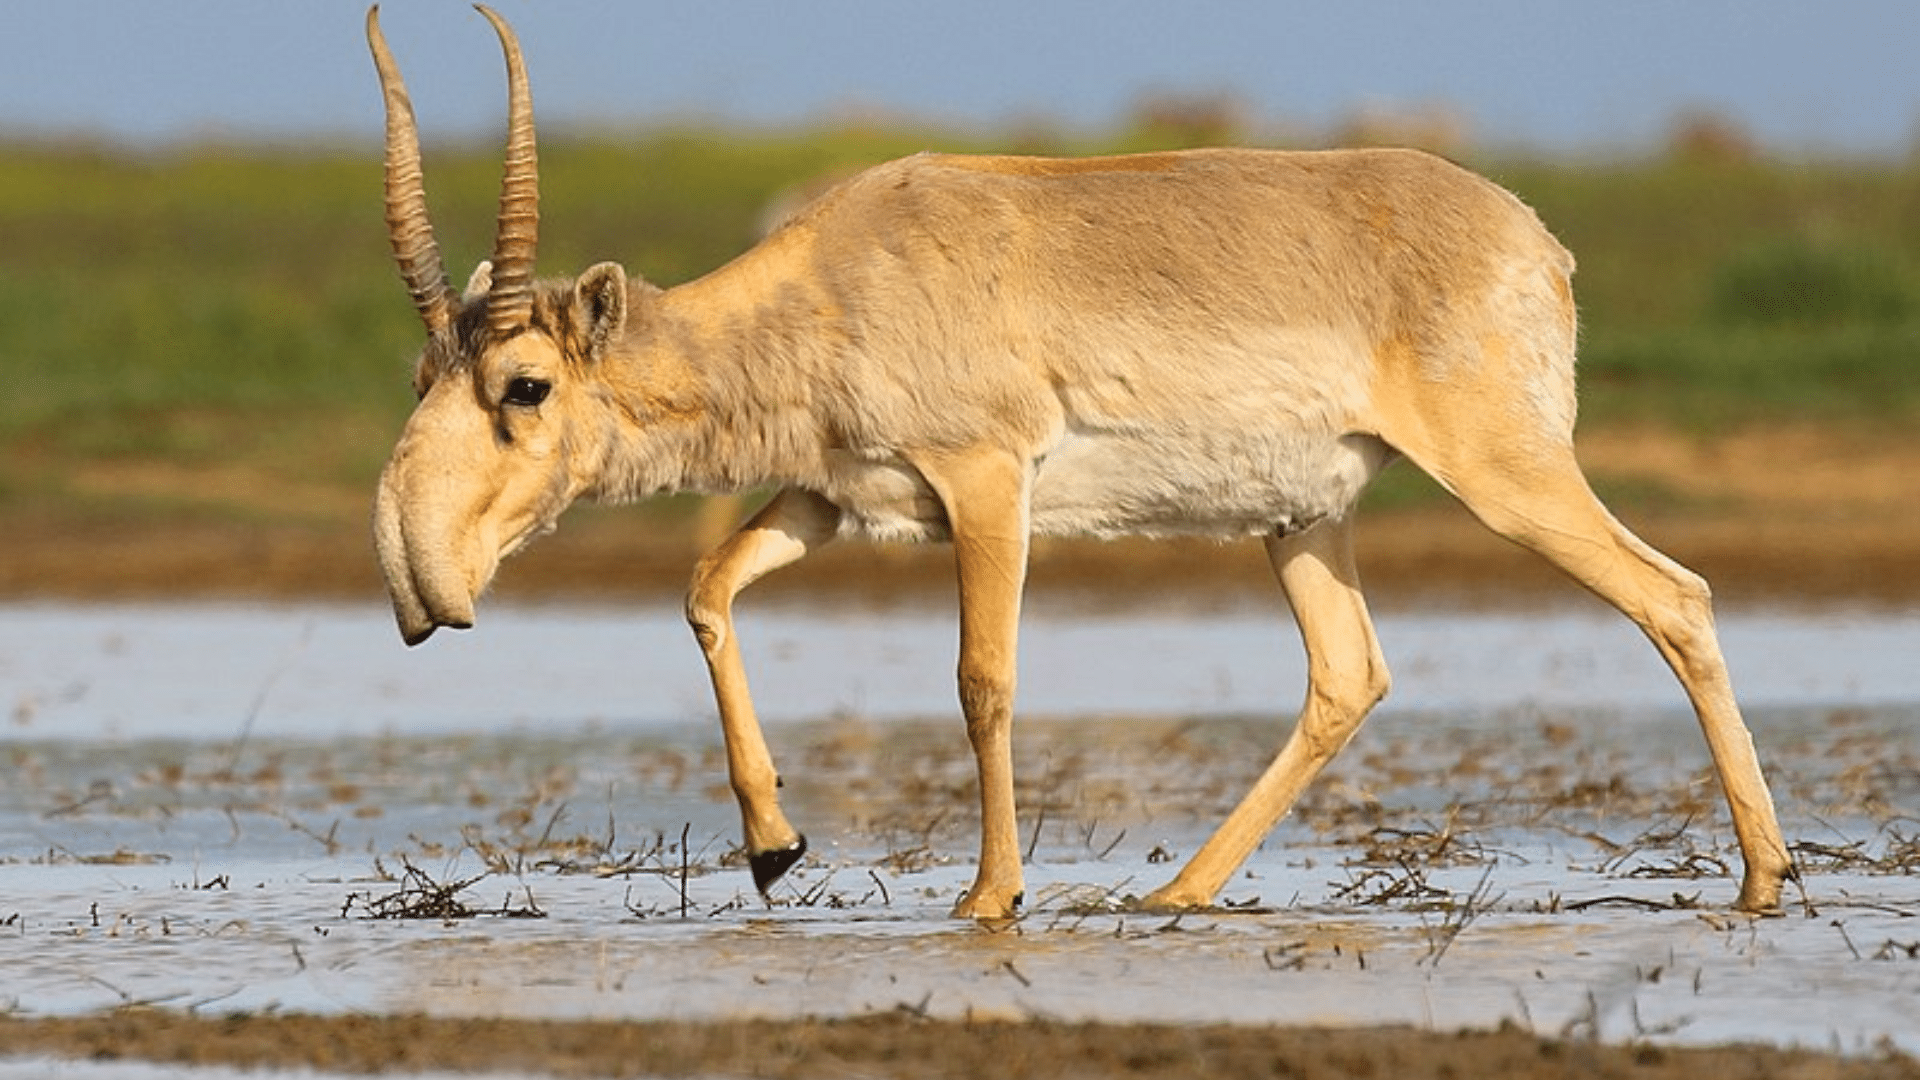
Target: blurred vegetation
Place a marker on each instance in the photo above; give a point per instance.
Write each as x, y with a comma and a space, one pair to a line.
210, 305
1716, 293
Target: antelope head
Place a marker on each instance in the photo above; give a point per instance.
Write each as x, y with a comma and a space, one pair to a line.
504, 436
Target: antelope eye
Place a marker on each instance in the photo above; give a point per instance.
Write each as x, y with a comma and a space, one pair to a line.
525, 391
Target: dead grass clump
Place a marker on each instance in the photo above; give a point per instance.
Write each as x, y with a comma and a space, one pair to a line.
1900, 854
1403, 884
1394, 862
421, 897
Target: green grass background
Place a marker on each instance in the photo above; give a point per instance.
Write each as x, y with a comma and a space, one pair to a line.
211, 304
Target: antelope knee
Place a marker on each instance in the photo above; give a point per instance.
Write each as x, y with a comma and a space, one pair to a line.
986, 699
709, 618
1336, 706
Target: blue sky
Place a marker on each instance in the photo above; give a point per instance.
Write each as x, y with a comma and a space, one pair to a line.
1564, 76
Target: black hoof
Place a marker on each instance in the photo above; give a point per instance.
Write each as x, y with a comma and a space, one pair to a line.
767, 866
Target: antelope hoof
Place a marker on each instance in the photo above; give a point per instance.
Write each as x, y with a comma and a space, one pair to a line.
767, 866
1169, 900
1763, 902
986, 909
1760, 890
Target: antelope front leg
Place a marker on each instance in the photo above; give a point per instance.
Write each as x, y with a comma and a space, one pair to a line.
793, 523
985, 495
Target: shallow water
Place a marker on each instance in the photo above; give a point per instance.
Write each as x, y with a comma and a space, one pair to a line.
205, 808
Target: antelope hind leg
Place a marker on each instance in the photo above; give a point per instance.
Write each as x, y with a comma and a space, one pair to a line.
1346, 677
1552, 511
791, 525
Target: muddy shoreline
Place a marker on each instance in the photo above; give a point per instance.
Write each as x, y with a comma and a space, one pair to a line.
897, 1046
1769, 514
1429, 557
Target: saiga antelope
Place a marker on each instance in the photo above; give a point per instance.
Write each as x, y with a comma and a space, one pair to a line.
984, 349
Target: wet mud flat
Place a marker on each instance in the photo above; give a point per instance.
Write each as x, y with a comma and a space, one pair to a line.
1555, 875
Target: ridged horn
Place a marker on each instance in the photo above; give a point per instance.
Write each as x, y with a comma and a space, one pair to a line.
408, 229
510, 300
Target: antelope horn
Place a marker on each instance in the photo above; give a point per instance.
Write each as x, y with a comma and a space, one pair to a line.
408, 229
510, 300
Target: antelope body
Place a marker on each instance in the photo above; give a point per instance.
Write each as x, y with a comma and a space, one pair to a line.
984, 349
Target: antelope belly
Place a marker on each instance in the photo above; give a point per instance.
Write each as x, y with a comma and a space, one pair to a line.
1109, 485
1206, 484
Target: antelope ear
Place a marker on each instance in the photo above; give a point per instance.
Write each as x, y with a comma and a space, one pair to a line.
480, 283
600, 307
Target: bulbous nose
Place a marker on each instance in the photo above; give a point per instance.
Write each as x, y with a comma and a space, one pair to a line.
425, 585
